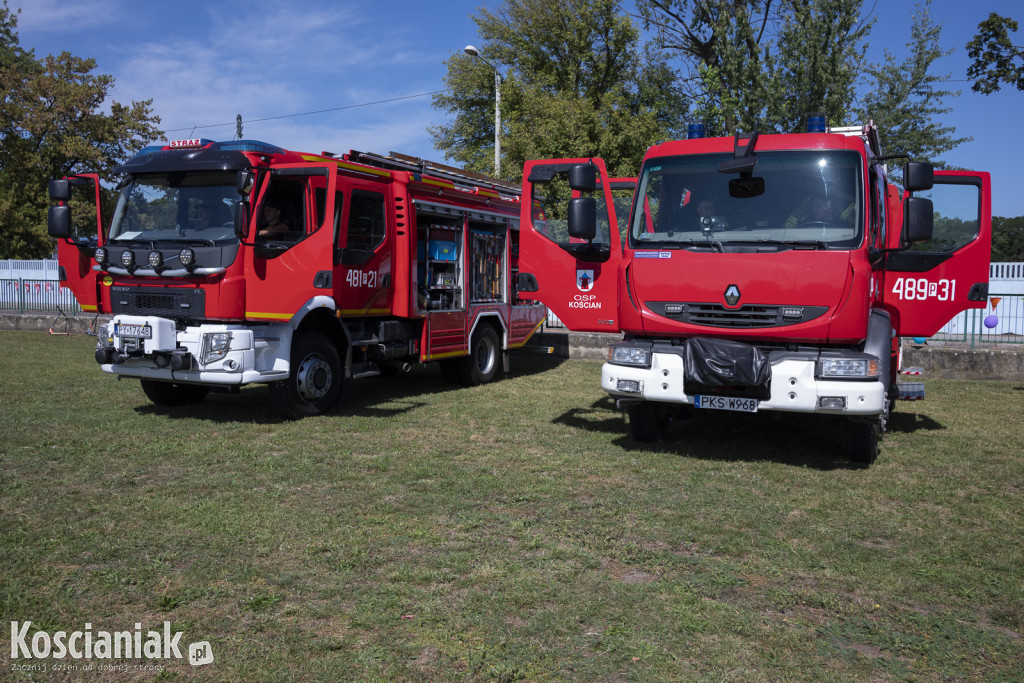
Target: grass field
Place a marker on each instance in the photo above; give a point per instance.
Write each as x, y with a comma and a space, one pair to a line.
509, 532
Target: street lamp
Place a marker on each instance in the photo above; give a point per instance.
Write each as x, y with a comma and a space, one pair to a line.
473, 52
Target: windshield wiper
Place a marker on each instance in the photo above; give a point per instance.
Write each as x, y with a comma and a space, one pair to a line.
714, 244
796, 244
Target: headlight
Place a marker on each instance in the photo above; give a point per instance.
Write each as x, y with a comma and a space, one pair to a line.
127, 258
187, 257
629, 355
101, 256
156, 259
861, 368
215, 346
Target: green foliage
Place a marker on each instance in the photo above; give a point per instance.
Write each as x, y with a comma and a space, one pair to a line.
52, 124
1007, 239
995, 59
905, 102
574, 84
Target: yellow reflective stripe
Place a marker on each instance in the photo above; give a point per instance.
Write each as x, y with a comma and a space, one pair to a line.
270, 316
527, 338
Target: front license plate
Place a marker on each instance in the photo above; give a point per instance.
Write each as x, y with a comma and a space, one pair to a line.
137, 331
742, 405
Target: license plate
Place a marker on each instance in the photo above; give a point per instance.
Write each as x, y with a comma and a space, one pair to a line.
742, 405
137, 331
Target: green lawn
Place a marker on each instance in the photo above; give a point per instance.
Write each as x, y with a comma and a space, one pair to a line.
509, 532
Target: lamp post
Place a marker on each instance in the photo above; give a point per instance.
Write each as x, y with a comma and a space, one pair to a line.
473, 52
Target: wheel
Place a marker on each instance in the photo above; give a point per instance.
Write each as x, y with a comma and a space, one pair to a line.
169, 394
484, 359
862, 446
646, 422
316, 380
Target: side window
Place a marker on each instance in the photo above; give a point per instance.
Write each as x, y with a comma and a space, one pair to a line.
367, 227
957, 210
878, 217
550, 209
282, 213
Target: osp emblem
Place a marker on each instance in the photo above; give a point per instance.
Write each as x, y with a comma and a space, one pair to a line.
732, 295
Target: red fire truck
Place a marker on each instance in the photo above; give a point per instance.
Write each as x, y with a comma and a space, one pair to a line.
232, 263
771, 272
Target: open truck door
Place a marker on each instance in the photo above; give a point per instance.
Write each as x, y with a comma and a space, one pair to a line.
77, 223
570, 246
933, 280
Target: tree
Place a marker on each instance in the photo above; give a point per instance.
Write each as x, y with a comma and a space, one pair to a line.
574, 84
51, 125
995, 59
904, 100
1007, 239
757, 64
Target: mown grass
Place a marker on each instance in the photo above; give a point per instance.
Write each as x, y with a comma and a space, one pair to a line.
510, 532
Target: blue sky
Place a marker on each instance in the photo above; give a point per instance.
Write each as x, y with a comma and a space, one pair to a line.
364, 68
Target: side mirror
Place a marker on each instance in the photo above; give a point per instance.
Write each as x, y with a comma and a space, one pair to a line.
60, 190
58, 218
240, 224
918, 176
246, 179
583, 177
918, 220
582, 218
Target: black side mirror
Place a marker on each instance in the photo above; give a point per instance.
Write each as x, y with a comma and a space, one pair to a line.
918, 176
918, 220
240, 223
246, 179
60, 190
583, 177
58, 220
582, 218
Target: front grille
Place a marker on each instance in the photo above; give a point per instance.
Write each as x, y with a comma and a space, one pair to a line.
717, 315
747, 316
158, 301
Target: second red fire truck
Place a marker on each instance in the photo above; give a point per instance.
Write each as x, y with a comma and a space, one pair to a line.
231, 263
772, 272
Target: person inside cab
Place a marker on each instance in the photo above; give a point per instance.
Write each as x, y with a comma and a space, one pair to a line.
273, 220
820, 209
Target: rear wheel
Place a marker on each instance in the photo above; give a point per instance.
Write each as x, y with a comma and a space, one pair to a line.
647, 422
316, 379
484, 359
862, 446
169, 394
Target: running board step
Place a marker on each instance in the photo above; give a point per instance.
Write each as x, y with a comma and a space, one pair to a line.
910, 391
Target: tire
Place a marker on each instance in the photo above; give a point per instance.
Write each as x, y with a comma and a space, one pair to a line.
647, 423
170, 394
862, 446
316, 381
484, 359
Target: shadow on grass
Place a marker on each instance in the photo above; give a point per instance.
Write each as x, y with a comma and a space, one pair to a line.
813, 441
374, 397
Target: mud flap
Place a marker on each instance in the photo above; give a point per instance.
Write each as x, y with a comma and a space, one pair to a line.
724, 367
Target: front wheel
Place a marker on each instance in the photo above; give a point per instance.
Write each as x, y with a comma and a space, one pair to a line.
647, 422
316, 380
170, 394
862, 447
484, 359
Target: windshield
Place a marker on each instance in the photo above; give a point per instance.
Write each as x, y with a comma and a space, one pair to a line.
810, 197
176, 206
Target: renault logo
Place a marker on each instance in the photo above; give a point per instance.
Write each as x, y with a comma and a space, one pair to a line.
732, 295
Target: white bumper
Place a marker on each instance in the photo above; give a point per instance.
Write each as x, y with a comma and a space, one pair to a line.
252, 354
794, 387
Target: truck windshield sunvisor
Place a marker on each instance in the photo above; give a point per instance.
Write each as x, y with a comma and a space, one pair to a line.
810, 198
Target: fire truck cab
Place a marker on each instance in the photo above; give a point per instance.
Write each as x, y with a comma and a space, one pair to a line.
232, 263
771, 272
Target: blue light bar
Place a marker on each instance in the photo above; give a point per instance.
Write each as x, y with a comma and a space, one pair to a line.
694, 131
249, 146
816, 123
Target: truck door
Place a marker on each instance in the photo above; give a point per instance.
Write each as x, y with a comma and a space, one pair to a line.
364, 256
75, 254
575, 277
291, 266
931, 282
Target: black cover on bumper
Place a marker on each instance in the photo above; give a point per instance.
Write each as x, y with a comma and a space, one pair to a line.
725, 368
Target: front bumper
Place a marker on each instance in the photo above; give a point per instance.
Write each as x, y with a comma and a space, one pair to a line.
246, 355
794, 387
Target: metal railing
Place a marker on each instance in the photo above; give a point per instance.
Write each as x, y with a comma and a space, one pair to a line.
1005, 312
23, 295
